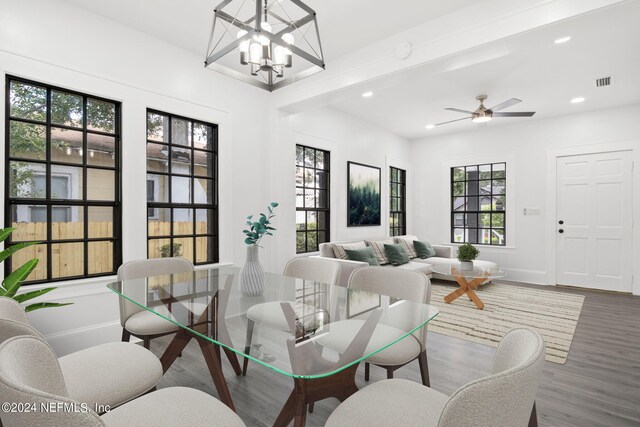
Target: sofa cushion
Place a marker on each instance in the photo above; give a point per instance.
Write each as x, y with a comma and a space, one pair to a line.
424, 249
378, 249
407, 242
364, 254
396, 254
421, 267
338, 248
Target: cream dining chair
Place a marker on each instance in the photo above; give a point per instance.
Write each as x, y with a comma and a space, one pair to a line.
30, 375
134, 319
403, 285
270, 314
107, 374
506, 398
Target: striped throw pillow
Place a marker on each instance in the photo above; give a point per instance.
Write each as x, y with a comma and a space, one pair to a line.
378, 249
407, 242
338, 248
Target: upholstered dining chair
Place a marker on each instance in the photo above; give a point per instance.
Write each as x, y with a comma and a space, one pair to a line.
270, 313
30, 375
107, 374
506, 398
404, 285
134, 319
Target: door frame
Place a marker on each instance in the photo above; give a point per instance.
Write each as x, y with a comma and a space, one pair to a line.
552, 156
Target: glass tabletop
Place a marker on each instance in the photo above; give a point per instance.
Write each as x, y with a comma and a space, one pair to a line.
299, 328
455, 269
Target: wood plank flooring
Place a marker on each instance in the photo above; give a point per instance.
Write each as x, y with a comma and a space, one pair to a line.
598, 386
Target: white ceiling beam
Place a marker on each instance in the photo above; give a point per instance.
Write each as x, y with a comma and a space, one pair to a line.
473, 26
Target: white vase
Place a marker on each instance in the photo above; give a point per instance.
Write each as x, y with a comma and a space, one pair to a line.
252, 274
466, 265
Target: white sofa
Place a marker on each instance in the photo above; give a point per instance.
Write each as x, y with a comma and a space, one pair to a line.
444, 255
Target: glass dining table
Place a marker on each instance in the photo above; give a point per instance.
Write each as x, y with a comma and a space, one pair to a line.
314, 333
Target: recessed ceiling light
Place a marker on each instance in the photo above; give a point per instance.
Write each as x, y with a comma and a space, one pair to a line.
367, 94
562, 40
430, 126
577, 100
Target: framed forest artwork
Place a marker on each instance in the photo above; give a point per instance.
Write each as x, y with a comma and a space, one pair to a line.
363, 195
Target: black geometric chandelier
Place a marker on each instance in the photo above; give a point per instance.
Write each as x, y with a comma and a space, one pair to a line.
267, 43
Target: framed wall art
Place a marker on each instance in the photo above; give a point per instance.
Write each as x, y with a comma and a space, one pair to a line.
363, 195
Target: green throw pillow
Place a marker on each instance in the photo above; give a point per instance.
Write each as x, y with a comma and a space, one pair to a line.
397, 254
424, 249
364, 255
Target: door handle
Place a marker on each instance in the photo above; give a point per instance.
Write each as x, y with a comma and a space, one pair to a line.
561, 231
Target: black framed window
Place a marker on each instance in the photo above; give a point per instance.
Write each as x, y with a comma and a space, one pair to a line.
478, 204
62, 182
397, 202
312, 198
182, 188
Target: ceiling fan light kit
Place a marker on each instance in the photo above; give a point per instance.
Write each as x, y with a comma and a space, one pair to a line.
256, 41
483, 114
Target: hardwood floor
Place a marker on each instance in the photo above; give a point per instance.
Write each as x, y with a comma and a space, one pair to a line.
598, 386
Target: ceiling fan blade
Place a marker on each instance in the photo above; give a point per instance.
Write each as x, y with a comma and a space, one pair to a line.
505, 104
457, 110
515, 114
451, 121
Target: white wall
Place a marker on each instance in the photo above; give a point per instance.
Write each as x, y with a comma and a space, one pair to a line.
529, 144
348, 139
66, 46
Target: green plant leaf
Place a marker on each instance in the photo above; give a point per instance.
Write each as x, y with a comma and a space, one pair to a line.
274, 204
12, 282
15, 248
271, 228
248, 241
40, 305
249, 216
5, 232
31, 295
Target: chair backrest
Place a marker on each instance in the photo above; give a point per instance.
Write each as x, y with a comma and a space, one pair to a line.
146, 268
506, 397
13, 321
315, 269
30, 374
400, 284
318, 270
10, 309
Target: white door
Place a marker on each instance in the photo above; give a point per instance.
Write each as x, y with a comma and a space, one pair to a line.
594, 221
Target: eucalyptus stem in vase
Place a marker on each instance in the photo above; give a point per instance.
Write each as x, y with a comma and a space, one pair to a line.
252, 273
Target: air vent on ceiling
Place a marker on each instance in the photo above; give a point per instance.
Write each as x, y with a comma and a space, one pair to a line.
604, 81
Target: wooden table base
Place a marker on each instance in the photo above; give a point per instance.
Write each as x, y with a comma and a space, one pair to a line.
307, 391
211, 353
466, 287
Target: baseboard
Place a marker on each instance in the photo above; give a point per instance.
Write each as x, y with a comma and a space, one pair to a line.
535, 277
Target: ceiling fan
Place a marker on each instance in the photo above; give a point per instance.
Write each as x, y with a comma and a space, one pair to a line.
484, 114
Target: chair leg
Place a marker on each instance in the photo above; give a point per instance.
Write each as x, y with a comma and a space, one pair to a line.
533, 420
367, 368
247, 346
389, 373
311, 407
126, 335
147, 342
424, 368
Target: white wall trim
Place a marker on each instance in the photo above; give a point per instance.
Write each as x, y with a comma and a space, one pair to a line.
536, 277
552, 156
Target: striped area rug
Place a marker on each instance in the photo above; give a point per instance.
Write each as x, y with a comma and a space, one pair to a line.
553, 314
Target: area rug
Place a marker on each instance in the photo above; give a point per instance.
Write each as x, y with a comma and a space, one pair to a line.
553, 314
